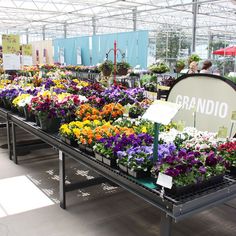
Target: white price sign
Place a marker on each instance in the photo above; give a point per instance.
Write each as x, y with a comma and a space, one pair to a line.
161, 112
165, 181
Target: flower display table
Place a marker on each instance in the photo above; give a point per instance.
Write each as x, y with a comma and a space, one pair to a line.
172, 207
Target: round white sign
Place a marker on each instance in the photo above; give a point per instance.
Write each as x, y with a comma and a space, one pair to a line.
208, 101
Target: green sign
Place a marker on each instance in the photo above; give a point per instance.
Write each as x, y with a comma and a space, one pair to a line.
27, 50
10, 44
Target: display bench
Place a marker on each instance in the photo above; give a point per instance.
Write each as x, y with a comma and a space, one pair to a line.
173, 208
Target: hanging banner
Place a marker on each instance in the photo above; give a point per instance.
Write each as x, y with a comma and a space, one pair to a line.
37, 56
151, 57
44, 56
78, 53
27, 59
11, 52
207, 101
61, 56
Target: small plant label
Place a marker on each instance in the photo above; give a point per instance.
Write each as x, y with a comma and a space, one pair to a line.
222, 132
233, 116
165, 181
180, 125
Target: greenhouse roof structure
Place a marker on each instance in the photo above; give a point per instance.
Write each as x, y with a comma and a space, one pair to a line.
49, 19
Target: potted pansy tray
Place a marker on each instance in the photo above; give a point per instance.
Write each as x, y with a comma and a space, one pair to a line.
104, 154
136, 161
191, 170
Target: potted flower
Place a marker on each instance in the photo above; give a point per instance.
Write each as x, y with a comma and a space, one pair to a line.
104, 152
180, 64
159, 68
193, 57
140, 161
67, 106
87, 112
106, 67
151, 87
45, 107
67, 134
122, 68
228, 152
7, 96
21, 102
136, 110
134, 79
112, 111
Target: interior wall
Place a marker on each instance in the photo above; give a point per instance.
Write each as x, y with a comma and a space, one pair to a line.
41, 46
94, 48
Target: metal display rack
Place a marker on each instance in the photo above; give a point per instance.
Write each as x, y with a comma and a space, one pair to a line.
172, 207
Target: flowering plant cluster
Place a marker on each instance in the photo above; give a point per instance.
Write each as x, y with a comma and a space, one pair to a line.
22, 100
140, 157
112, 111
4, 83
228, 151
190, 167
91, 90
129, 96
48, 67
87, 112
10, 94
110, 146
51, 105
87, 132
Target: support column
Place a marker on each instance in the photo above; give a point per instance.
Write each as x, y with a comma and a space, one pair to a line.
9, 140
27, 36
14, 154
43, 31
65, 30
165, 227
94, 25
194, 29
210, 40
62, 179
134, 11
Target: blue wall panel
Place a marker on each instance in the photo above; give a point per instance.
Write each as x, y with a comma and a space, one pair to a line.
133, 44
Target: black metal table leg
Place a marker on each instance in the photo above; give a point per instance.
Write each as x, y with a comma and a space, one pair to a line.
14, 154
62, 179
165, 227
9, 139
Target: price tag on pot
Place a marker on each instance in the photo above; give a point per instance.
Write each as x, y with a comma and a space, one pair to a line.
180, 125
164, 180
222, 132
127, 107
233, 116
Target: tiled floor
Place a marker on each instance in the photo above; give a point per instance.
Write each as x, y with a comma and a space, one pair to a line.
30, 207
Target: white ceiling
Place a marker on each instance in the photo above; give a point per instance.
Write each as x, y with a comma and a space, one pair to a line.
83, 17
